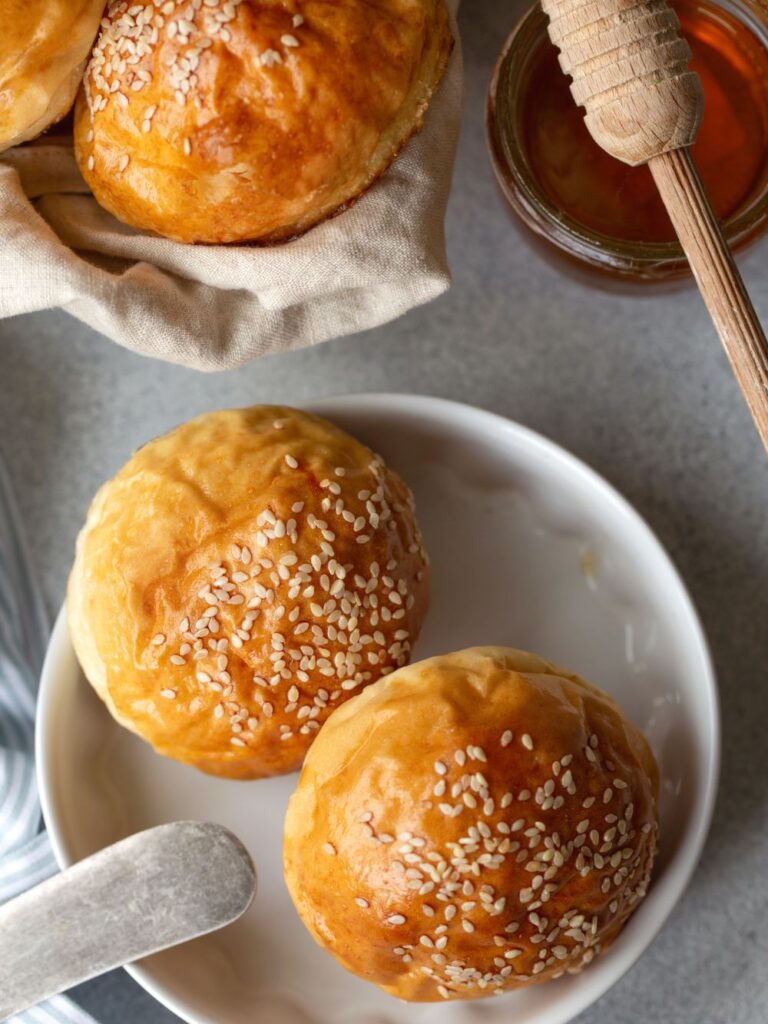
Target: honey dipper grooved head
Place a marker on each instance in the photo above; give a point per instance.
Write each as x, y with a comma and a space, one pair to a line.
629, 67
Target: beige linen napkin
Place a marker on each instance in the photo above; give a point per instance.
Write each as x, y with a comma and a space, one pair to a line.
216, 307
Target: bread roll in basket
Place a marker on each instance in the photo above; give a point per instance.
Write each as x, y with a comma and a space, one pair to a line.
252, 120
44, 48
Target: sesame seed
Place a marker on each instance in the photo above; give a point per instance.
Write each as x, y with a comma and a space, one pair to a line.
291, 462
527, 742
168, 694
507, 737
396, 919
361, 902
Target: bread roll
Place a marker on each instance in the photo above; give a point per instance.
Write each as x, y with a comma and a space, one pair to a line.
471, 824
44, 45
252, 119
238, 579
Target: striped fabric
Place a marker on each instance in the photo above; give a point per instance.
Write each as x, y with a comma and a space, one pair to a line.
25, 853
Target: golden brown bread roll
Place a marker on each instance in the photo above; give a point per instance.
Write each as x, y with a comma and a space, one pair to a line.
252, 119
238, 579
44, 45
471, 824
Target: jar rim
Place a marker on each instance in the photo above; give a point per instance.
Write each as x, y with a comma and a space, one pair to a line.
540, 214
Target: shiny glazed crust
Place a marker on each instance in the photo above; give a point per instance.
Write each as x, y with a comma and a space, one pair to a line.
44, 45
252, 119
238, 579
472, 823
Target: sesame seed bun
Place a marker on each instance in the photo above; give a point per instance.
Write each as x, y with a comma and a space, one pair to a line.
238, 579
471, 824
44, 45
242, 120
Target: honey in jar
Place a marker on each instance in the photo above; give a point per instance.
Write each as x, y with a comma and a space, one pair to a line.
556, 175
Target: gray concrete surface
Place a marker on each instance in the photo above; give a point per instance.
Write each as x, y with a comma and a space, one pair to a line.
635, 384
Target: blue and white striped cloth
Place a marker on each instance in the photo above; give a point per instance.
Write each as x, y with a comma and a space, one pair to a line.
25, 853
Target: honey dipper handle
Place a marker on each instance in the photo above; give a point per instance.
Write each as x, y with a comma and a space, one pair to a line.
718, 278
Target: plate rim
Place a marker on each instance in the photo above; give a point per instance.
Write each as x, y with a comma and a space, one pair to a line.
693, 843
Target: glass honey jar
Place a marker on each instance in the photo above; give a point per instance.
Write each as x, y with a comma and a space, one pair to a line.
598, 211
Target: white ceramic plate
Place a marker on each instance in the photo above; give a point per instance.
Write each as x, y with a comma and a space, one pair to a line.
529, 548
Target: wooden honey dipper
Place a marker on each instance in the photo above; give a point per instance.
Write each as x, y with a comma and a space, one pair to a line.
629, 67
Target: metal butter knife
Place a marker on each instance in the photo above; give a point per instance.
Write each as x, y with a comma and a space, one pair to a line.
153, 890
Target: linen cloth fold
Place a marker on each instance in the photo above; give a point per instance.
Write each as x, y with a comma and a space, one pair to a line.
26, 857
217, 307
